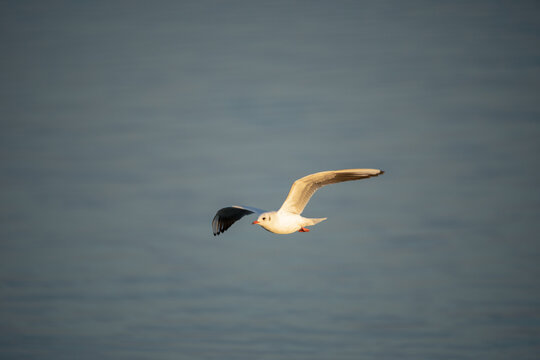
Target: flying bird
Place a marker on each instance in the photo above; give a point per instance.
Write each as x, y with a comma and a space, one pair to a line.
288, 219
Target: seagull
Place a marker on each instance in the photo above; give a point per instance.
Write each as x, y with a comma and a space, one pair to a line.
287, 219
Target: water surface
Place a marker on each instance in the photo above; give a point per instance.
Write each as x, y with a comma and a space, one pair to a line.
126, 125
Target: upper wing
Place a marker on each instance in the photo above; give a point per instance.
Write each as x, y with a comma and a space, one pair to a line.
227, 216
302, 189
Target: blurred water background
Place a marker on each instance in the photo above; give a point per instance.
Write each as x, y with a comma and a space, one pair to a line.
125, 125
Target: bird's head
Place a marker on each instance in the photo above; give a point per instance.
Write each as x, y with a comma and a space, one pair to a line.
264, 219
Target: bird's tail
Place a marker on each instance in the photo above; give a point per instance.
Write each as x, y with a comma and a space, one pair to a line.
314, 221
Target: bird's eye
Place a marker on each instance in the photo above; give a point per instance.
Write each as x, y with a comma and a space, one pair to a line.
264, 218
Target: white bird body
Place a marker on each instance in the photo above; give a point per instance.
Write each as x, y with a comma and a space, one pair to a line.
288, 219
282, 222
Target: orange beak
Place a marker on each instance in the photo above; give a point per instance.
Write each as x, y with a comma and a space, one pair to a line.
255, 222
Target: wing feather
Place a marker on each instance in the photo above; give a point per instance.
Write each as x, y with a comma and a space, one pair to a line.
227, 216
303, 188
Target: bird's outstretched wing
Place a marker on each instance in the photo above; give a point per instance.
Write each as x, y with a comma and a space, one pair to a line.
303, 188
227, 216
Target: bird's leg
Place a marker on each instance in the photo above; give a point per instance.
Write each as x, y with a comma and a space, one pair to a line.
303, 229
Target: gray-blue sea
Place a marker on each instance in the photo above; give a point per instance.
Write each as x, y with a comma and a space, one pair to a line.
125, 125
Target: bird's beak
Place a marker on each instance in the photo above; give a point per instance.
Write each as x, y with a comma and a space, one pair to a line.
255, 222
